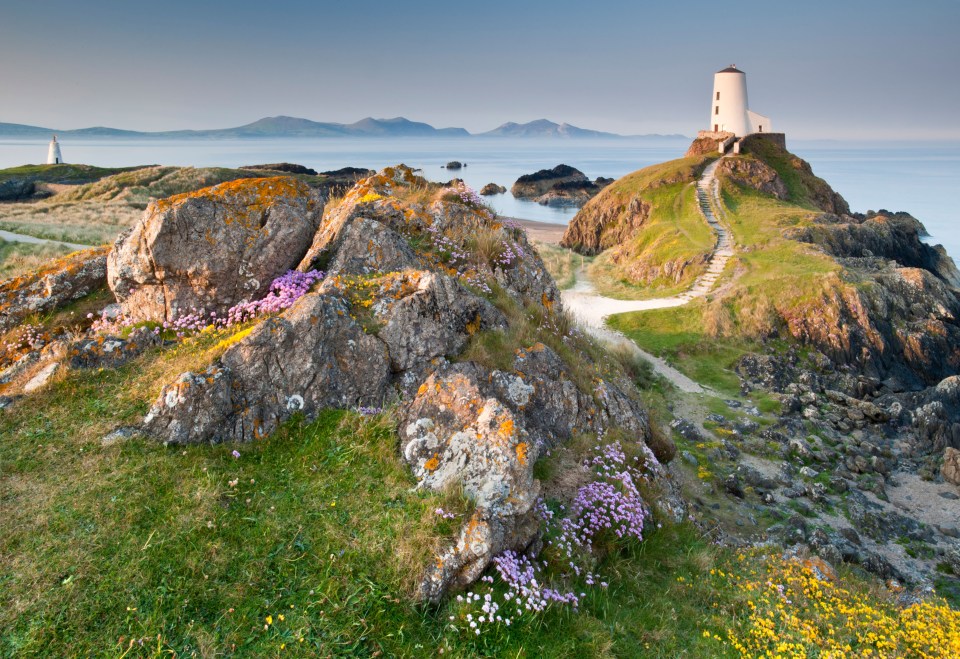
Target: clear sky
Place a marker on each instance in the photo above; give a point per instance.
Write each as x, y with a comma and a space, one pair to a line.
833, 69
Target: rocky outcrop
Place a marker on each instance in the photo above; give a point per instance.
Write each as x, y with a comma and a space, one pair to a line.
317, 355
382, 328
484, 430
893, 236
707, 143
755, 174
448, 226
492, 189
531, 186
454, 164
211, 249
53, 286
902, 327
806, 187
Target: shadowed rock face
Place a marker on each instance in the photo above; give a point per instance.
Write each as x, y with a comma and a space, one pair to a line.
381, 329
211, 249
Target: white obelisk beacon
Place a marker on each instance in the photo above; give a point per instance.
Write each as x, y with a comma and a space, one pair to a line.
729, 108
53, 153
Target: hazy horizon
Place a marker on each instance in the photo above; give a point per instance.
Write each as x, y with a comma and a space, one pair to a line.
818, 70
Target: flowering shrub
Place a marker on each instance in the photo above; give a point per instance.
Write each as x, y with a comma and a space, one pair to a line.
796, 608
609, 505
284, 291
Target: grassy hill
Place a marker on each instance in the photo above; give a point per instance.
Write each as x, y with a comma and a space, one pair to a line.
645, 228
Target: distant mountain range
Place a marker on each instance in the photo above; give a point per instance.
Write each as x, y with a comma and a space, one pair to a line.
272, 127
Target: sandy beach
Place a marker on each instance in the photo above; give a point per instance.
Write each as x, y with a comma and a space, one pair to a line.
543, 232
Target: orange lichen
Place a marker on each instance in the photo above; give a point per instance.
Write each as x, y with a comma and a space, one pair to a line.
506, 428
521, 450
432, 463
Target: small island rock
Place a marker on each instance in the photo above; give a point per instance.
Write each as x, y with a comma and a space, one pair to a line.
492, 189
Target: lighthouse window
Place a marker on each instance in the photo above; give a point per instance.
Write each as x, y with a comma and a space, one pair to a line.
716, 110
718, 96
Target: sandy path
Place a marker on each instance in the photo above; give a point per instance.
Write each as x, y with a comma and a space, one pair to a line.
592, 309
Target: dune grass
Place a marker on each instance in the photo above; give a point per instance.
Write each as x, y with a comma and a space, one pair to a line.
561, 263
20, 258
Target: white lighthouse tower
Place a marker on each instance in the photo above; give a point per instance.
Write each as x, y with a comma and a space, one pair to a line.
53, 152
729, 108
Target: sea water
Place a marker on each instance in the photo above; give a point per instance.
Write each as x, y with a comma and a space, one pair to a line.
920, 178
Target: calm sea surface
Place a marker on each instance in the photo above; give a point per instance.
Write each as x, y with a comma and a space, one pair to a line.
921, 178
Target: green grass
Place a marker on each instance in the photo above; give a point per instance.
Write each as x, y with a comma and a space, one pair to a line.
677, 334
673, 238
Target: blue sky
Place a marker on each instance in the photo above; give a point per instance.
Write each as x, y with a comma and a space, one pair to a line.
849, 68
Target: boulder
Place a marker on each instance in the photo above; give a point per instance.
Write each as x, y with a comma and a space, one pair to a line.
492, 189
53, 286
454, 164
950, 470
211, 249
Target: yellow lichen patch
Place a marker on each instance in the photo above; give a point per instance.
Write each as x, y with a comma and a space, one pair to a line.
255, 193
370, 197
432, 463
521, 450
506, 428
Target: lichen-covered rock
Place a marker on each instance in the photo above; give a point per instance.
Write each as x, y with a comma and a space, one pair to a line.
53, 286
455, 435
101, 351
211, 249
443, 228
317, 355
483, 430
372, 198
367, 246
314, 356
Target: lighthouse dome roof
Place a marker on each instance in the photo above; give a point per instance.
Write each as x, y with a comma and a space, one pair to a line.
731, 69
